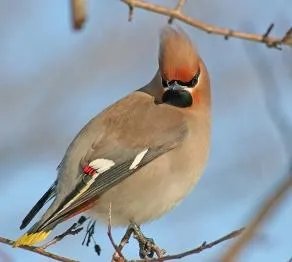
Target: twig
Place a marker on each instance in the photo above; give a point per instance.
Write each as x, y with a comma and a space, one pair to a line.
271, 42
131, 10
177, 9
117, 256
263, 213
73, 230
196, 250
78, 10
38, 250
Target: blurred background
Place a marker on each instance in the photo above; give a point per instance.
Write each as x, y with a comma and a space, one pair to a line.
53, 80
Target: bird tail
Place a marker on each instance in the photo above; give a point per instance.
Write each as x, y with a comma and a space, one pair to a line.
39, 231
59, 211
51, 218
30, 239
35, 235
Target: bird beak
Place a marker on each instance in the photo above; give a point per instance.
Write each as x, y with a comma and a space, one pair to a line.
175, 86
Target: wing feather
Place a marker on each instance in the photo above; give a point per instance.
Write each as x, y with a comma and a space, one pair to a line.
101, 182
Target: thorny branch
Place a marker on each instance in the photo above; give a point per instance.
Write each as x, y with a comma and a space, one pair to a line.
78, 9
121, 258
196, 250
176, 13
178, 8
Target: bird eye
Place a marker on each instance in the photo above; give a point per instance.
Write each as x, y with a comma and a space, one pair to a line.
192, 83
194, 80
164, 82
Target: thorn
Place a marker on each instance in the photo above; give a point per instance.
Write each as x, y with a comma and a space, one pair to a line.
228, 35
204, 243
268, 31
131, 11
267, 41
177, 10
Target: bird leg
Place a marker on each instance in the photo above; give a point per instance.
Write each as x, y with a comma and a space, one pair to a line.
147, 246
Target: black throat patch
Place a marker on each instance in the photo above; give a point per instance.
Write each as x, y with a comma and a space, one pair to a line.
177, 97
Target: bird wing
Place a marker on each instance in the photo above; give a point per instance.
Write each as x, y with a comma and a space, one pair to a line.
135, 139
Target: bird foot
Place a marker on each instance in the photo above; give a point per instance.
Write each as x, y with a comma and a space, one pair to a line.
147, 246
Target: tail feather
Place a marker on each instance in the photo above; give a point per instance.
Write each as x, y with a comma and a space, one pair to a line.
37, 207
39, 231
58, 212
30, 239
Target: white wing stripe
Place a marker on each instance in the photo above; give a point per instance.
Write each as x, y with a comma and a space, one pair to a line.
101, 165
138, 159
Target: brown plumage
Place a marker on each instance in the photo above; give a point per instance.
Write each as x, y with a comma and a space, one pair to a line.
147, 150
178, 59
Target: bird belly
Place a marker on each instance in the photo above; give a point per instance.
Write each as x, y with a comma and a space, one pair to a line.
154, 189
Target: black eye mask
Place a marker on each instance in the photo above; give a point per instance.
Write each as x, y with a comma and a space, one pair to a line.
179, 97
192, 83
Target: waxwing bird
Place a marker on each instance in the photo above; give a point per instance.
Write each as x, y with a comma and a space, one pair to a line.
141, 155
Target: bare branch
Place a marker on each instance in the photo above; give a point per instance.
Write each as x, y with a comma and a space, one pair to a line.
38, 250
196, 250
271, 42
72, 230
117, 256
255, 223
78, 10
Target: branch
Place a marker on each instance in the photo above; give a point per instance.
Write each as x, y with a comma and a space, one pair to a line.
78, 10
271, 42
38, 250
118, 250
196, 250
73, 230
177, 9
259, 218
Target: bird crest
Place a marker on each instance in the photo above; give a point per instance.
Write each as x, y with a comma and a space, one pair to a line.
178, 59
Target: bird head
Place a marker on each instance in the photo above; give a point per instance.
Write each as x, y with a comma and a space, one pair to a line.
183, 74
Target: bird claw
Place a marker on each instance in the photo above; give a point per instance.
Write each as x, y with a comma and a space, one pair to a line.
147, 246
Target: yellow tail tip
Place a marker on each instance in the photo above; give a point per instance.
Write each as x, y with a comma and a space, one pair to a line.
31, 239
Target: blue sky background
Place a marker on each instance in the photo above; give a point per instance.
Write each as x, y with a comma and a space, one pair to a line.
53, 80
